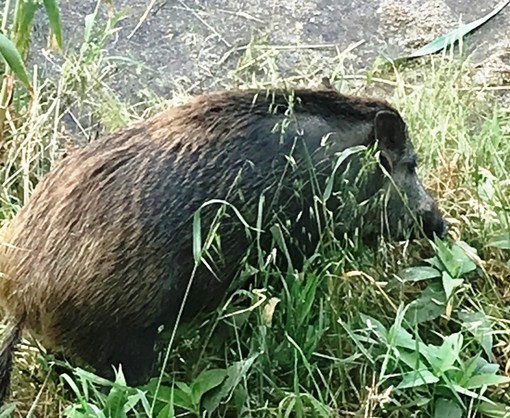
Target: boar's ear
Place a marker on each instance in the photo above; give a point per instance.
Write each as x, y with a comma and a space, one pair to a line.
390, 129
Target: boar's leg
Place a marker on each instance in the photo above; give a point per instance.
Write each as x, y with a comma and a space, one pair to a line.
135, 354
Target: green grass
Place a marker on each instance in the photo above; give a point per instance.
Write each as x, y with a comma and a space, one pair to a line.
413, 329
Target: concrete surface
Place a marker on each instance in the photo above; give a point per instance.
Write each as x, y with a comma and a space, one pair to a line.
195, 43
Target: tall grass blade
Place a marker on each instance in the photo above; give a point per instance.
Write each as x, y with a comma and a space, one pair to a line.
13, 59
53, 12
449, 39
23, 25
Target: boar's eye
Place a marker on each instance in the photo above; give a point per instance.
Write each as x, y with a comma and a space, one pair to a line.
412, 163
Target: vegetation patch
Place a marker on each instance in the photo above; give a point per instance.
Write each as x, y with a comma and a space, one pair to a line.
410, 329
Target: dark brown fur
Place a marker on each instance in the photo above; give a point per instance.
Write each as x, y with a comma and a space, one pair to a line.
101, 254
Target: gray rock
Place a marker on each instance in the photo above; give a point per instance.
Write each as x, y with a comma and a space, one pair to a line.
200, 41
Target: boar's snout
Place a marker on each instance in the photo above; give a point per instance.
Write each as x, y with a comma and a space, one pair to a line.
432, 219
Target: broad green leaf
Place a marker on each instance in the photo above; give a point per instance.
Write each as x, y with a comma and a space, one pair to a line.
115, 402
450, 284
180, 396
414, 274
417, 378
443, 358
493, 409
402, 338
206, 381
53, 12
447, 408
375, 326
420, 401
435, 262
430, 305
479, 325
455, 35
235, 374
467, 370
413, 360
13, 59
449, 352
502, 241
461, 251
446, 256
484, 367
486, 380
166, 412
184, 387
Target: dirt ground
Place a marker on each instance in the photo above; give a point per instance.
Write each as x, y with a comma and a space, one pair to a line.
197, 42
